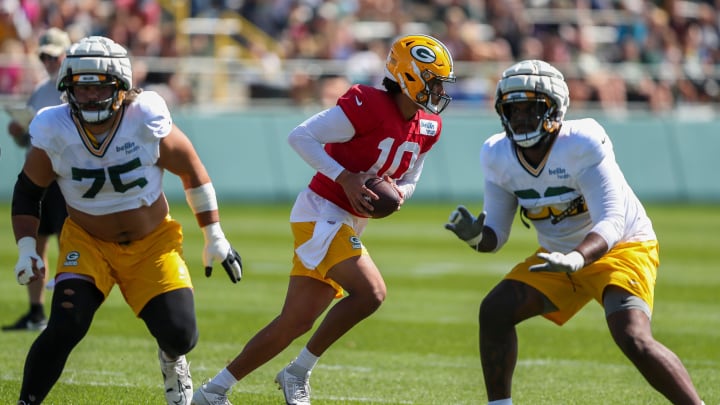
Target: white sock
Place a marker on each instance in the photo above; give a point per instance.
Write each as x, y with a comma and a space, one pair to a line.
506, 401
165, 358
224, 379
306, 361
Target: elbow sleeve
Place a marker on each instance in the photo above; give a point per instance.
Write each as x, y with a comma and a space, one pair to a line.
26, 197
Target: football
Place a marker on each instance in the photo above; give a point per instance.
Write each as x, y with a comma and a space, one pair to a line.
389, 198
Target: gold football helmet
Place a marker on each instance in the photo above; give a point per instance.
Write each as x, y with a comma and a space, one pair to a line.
420, 64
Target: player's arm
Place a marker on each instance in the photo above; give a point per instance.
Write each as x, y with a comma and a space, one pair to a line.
489, 231
19, 134
308, 140
601, 187
406, 185
36, 176
178, 156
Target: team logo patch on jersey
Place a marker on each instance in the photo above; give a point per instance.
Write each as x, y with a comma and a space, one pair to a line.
182, 273
71, 259
355, 242
428, 127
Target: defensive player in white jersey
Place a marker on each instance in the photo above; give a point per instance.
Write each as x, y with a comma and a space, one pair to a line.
596, 241
369, 133
108, 148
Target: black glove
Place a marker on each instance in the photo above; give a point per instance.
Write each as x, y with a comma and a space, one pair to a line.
466, 226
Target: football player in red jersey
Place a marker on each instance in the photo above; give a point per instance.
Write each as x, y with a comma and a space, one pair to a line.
369, 133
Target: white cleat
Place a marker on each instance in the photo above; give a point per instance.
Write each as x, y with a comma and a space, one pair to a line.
204, 396
178, 382
296, 389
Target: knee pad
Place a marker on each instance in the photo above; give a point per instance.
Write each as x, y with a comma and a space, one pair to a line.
176, 340
170, 317
73, 308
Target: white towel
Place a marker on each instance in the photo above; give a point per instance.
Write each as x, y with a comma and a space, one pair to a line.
312, 252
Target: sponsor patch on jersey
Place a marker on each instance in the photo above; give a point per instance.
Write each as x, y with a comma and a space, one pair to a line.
428, 127
560, 173
128, 147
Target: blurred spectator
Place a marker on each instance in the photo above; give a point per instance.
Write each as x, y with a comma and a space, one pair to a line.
52, 45
367, 64
678, 41
12, 69
330, 88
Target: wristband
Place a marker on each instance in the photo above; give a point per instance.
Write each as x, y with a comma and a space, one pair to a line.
213, 232
27, 246
201, 199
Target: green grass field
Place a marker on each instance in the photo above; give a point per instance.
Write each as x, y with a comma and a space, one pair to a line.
419, 348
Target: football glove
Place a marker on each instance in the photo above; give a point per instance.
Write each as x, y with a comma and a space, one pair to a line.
218, 248
560, 263
27, 252
468, 228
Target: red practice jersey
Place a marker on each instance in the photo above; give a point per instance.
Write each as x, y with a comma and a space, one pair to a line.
384, 142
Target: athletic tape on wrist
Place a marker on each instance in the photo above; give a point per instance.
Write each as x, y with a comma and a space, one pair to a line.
213, 231
27, 245
201, 199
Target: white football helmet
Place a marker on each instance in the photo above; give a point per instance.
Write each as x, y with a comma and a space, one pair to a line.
95, 61
542, 87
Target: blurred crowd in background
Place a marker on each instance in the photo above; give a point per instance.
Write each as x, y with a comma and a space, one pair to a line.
616, 54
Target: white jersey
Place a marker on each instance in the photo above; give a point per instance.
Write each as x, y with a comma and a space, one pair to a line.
120, 173
578, 188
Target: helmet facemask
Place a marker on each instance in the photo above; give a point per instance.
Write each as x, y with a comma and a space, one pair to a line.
95, 111
96, 61
527, 117
433, 97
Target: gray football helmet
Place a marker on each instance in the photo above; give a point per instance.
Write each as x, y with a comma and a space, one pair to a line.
542, 87
97, 61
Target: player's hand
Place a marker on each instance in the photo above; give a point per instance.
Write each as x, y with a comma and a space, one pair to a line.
559, 262
218, 248
30, 265
466, 226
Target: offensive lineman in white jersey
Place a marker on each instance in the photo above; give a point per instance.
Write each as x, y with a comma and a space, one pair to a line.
596, 241
108, 147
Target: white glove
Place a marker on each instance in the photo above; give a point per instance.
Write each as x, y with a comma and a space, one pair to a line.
560, 263
27, 252
468, 228
218, 248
